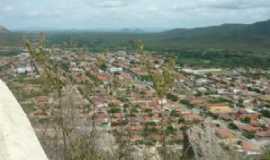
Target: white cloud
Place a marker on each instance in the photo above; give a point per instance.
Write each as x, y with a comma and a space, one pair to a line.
8, 8
124, 13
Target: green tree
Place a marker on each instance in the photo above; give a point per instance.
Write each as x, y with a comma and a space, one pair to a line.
163, 81
77, 147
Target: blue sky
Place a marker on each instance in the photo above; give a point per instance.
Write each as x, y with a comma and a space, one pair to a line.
117, 14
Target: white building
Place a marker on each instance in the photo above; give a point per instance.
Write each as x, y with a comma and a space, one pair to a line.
116, 69
24, 70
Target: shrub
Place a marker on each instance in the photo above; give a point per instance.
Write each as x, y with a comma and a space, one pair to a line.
170, 130
134, 110
232, 126
115, 110
220, 100
174, 113
245, 120
266, 154
172, 97
185, 102
266, 113
148, 110
248, 135
151, 123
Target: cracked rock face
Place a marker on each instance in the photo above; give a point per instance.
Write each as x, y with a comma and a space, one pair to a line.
205, 145
17, 137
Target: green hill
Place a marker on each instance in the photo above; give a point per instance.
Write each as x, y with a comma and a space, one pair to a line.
240, 37
227, 36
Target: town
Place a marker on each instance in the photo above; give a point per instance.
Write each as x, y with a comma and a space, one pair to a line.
121, 98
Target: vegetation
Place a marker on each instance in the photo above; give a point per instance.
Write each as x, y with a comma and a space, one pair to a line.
170, 130
266, 154
69, 145
174, 113
245, 120
115, 110
231, 125
210, 46
249, 135
185, 102
265, 113
219, 100
74, 146
172, 97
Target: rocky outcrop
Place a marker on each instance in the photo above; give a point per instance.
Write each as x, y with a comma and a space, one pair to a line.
17, 137
204, 144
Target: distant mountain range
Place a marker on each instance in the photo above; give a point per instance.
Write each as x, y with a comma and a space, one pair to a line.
3, 29
129, 30
259, 28
256, 35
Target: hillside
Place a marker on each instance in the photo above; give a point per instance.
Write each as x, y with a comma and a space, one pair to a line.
236, 37
10, 39
226, 36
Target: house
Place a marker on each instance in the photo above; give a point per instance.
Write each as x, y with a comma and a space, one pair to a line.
103, 77
225, 133
263, 134
80, 78
191, 117
125, 76
248, 128
250, 148
41, 101
24, 70
247, 114
117, 119
99, 101
135, 128
265, 98
102, 118
40, 113
218, 109
116, 69
155, 119
198, 102
135, 138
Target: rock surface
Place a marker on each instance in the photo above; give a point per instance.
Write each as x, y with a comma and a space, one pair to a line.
17, 137
205, 144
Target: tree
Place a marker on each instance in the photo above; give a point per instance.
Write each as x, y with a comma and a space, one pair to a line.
163, 81
101, 62
73, 146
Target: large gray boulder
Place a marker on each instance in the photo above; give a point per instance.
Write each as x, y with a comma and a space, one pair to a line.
17, 137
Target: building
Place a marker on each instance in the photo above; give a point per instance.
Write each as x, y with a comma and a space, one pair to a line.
217, 109
116, 69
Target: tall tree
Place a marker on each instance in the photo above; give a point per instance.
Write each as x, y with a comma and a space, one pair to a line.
163, 80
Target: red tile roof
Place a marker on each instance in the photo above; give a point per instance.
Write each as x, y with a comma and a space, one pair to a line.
263, 134
224, 133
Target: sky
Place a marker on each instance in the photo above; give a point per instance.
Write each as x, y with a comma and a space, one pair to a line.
118, 14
